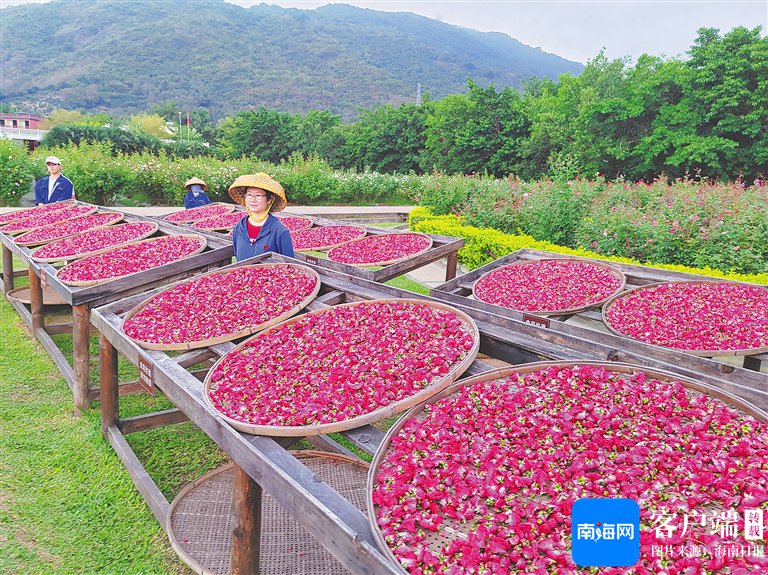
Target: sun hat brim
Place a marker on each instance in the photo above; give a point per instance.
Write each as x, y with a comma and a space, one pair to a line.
263, 181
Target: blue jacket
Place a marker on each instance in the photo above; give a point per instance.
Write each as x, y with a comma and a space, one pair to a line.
273, 237
190, 201
62, 190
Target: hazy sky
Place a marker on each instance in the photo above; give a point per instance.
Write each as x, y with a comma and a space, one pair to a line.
575, 29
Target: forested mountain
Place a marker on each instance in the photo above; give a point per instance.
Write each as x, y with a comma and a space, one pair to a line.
123, 57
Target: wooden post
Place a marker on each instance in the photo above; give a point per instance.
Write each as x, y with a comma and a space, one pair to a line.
36, 302
450, 266
81, 356
108, 382
246, 534
7, 269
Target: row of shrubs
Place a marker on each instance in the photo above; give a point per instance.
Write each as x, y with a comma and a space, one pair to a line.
685, 221
482, 246
106, 179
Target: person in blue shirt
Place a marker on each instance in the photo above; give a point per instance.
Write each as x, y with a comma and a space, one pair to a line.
195, 196
55, 187
260, 231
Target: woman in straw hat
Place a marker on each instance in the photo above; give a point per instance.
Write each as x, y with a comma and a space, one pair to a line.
195, 196
260, 232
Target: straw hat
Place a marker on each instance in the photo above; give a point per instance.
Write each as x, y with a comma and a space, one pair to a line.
263, 181
191, 181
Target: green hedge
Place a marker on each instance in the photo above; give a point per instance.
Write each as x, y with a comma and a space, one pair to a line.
483, 245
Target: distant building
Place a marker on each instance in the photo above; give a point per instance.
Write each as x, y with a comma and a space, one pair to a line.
24, 129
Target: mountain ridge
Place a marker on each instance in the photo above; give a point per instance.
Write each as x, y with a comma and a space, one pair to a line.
114, 56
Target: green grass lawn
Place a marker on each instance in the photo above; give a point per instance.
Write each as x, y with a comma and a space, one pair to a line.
67, 505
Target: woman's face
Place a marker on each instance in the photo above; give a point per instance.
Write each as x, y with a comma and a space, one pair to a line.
256, 200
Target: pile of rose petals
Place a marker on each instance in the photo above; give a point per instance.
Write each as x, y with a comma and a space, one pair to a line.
694, 316
222, 305
199, 213
93, 241
69, 228
221, 222
32, 212
380, 250
325, 237
295, 223
340, 363
130, 259
549, 286
47, 218
495, 467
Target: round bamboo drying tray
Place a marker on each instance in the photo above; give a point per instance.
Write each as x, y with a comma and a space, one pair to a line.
385, 262
563, 311
364, 419
322, 248
219, 227
200, 521
191, 215
230, 337
88, 283
696, 352
27, 212
437, 540
117, 217
22, 295
138, 238
85, 212
308, 222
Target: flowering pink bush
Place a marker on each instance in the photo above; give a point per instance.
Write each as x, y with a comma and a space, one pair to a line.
200, 213
694, 316
339, 363
69, 228
220, 222
130, 259
32, 212
483, 481
380, 250
47, 218
295, 223
221, 305
549, 286
93, 241
325, 237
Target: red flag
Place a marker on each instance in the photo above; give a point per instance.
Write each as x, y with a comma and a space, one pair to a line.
187, 118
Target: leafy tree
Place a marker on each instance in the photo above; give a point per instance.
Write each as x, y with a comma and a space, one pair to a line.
262, 133
150, 124
312, 133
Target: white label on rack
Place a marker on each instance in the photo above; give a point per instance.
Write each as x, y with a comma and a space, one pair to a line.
146, 374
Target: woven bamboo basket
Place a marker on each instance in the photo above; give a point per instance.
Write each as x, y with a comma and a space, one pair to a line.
84, 212
325, 247
192, 214
151, 231
389, 261
364, 419
587, 305
250, 330
200, 521
117, 217
697, 352
22, 295
23, 214
222, 226
88, 283
306, 221
435, 541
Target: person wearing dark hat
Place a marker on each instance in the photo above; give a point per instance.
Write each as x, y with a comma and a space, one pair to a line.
195, 196
260, 232
55, 187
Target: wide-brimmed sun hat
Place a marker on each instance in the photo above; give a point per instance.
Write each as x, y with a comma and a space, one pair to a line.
191, 181
261, 180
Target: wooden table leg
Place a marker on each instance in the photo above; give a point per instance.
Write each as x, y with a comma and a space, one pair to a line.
450, 266
81, 355
36, 302
7, 270
108, 382
246, 535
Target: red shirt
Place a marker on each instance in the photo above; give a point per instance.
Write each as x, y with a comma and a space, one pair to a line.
253, 231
